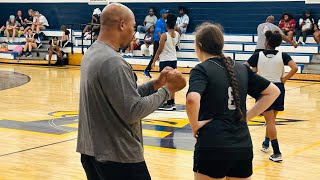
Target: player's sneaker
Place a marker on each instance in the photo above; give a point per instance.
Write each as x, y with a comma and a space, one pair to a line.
168, 107
276, 157
162, 106
264, 148
147, 74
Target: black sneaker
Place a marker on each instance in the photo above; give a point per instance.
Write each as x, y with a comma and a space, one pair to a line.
162, 106
276, 157
174, 107
168, 107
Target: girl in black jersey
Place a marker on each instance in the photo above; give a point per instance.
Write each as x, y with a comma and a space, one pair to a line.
270, 65
216, 107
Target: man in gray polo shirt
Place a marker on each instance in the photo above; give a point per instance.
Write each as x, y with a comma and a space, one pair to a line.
269, 26
112, 105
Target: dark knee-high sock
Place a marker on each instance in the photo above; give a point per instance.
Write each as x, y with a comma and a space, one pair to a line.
275, 146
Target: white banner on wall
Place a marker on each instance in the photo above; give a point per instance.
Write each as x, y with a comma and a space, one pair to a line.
136, 1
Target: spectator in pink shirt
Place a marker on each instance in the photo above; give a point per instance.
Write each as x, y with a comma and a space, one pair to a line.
287, 24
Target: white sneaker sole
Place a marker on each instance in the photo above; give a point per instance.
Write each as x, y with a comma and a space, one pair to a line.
265, 150
276, 159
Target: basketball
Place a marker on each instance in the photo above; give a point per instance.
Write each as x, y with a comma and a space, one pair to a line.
176, 79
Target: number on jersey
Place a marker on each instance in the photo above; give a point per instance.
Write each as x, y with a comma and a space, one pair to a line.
231, 104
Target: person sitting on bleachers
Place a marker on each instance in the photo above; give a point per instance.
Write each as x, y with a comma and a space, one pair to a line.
149, 20
182, 21
28, 21
148, 42
54, 48
31, 43
287, 24
134, 44
11, 28
269, 26
39, 22
305, 27
21, 22
65, 35
95, 28
316, 34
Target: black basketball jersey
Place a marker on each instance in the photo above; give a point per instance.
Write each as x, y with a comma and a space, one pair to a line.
210, 79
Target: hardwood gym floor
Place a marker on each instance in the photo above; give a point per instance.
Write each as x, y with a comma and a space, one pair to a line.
38, 130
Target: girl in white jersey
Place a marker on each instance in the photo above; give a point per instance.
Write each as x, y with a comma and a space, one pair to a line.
31, 43
270, 65
167, 54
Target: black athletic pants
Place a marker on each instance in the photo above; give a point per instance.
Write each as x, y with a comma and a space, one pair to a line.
155, 49
96, 170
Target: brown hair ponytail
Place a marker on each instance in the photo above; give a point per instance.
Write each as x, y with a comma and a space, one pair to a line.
227, 61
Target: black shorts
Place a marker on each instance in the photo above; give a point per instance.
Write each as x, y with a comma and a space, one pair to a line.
164, 64
223, 168
114, 170
278, 104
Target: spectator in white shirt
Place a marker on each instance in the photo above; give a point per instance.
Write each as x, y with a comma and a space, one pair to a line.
95, 19
149, 20
305, 27
182, 21
39, 22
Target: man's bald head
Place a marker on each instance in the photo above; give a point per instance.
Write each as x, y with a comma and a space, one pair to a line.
270, 19
113, 13
117, 25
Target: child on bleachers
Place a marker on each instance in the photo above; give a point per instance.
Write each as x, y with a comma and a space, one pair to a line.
65, 35
305, 27
134, 44
21, 22
11, 28
54, 48
148, 42
287, 24
31, 43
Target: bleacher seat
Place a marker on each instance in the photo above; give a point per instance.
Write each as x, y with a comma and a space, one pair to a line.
237, 46
310, 39
187, 63
298, 58
307, 48
8, 55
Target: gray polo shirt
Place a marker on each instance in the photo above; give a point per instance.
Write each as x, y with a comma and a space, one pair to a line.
112, 106
261, 30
